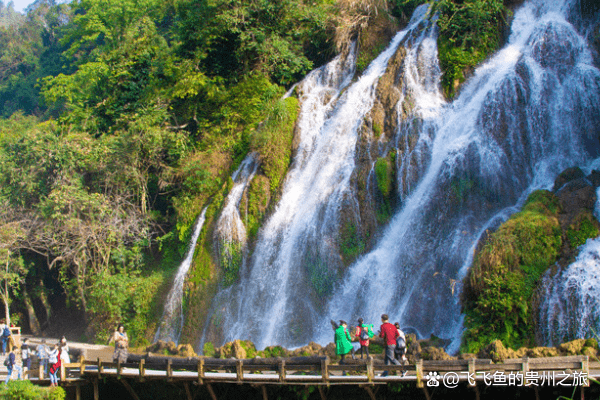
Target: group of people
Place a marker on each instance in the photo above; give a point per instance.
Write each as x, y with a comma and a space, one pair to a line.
19, 359
393, 337
50, 359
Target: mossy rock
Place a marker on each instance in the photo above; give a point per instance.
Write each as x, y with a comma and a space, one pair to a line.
573, 347
568, 175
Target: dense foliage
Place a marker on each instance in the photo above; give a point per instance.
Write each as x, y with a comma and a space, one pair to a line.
470, 31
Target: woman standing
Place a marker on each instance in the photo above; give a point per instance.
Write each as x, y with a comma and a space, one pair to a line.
121, 344
64, 351
54, 360
362, 333
343, 344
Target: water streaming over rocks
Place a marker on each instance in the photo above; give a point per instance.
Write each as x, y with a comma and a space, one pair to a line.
173, 318
529, 112
570, 306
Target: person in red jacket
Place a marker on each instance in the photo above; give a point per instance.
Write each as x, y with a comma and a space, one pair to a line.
389, 333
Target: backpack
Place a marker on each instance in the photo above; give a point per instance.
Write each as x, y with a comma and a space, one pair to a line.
364, 334
6, 332
401, 341
6, 361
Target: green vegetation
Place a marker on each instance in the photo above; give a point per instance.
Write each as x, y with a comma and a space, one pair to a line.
351, 242
581, 230
505, 273
208, 350
25, 390
470, 31
385, 173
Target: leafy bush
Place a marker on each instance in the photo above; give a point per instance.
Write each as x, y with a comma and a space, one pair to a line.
470, 31
505, 273
25, 390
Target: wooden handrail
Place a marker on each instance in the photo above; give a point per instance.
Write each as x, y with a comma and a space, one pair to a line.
279, 371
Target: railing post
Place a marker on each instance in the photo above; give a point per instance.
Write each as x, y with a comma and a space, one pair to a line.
169, 370
142, 369
419, 369
63, 372
585, 368
201, 371
281, 370
41, 371
370, 372
99, 367
239, 370
525, 369
81, 365
473, 371
325, 369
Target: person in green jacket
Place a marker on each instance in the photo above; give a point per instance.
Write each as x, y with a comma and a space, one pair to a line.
343, 342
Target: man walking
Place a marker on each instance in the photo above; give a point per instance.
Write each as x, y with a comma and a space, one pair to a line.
389, 333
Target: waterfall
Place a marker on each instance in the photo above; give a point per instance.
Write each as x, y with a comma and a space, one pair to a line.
172, 318
529, 112
230, 233
525, 115
570, 301
515, 125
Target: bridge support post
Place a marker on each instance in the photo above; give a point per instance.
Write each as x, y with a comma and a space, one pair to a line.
96, 391
213, 396
264, 392
322, 393
129, 389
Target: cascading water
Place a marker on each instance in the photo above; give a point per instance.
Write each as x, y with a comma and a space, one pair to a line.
528, 113
172, 318
298, 241
523, 118
230, 234
570, 306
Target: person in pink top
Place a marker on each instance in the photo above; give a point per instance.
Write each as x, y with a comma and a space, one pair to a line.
389, 333
364, 343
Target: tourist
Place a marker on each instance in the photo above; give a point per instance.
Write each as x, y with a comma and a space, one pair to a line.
42, 353
400, 350
25, 356
5, 335
343, 344
389, 333
64, 351
54, 361
364, 332
11, 364
121, 344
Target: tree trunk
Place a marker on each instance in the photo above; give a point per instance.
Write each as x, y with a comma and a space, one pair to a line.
46, 303
34, 324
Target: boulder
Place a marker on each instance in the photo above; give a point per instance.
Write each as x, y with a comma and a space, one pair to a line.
573, 347
566, 176
577, 194
186, 350
538, 352
497, 352
171, 347
435, 353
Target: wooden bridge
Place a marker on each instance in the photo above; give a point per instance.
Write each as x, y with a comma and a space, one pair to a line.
321, 373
